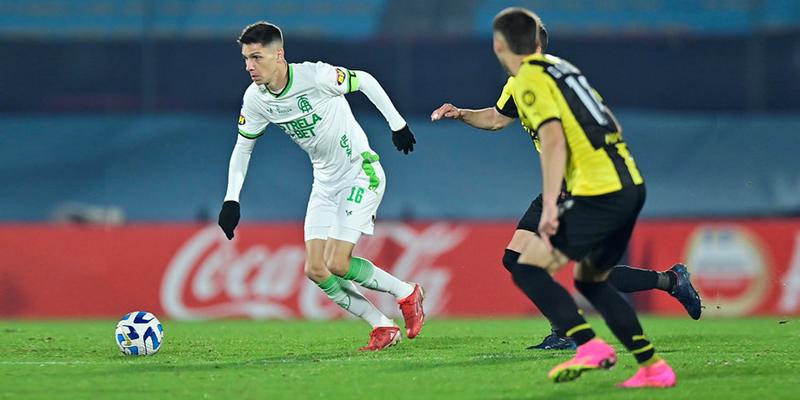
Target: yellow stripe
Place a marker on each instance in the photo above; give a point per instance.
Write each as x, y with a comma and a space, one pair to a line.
638, 337
654, 359
622, 149
643, 349
578, 328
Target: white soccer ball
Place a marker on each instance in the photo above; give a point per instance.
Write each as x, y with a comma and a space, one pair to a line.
139, 334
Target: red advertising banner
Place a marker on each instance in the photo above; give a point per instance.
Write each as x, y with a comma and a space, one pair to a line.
740, 267
191, 271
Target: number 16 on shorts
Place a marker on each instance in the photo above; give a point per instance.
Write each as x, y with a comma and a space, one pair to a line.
356, 195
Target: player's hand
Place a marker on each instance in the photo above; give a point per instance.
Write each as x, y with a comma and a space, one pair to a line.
403, 139
229, 217
548, 224
447, 110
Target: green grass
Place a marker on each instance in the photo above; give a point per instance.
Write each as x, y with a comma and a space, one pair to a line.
452, 359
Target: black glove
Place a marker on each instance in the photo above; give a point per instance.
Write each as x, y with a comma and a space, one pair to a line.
229, 217
404, 139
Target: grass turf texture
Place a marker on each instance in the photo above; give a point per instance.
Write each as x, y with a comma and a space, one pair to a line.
452, 359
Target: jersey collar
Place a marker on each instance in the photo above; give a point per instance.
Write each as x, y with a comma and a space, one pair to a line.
285, 88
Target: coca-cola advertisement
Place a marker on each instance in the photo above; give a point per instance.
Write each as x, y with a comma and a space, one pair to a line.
194, 272
191, 271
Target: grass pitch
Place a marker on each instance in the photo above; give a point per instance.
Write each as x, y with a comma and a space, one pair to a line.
452, 359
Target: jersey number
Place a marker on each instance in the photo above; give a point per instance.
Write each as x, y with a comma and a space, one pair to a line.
588, 98
356, 195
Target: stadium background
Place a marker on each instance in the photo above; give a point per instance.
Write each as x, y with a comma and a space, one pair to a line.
117, 119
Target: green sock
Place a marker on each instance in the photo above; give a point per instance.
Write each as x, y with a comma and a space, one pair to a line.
333, 288
369, 276
345, 294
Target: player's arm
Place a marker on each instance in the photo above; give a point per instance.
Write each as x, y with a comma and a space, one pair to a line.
402, 137
338, 81
553, 159
486, 118
539, 110
251, 127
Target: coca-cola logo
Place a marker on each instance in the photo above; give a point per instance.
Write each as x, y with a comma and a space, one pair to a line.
211, 277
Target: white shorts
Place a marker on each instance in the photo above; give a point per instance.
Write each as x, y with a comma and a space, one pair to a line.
346, 209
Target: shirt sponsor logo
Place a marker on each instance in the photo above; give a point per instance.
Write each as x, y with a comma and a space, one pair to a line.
301, 128
340, 76
241, 119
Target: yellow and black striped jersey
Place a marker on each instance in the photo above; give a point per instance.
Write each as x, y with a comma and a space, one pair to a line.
505, 105
547, 88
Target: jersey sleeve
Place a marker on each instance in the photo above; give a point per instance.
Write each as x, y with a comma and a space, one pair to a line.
252, 123
535, 99
505, 104
336, 80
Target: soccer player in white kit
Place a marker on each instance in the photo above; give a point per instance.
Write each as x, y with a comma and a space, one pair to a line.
307, 101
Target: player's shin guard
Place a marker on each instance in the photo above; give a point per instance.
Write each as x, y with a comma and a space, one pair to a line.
346, 295
620, 317
628, 280
369, 276
553, 301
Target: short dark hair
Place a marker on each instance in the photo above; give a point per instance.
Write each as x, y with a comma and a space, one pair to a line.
522, 29
261, 32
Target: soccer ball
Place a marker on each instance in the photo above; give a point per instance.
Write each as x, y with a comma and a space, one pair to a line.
139, 334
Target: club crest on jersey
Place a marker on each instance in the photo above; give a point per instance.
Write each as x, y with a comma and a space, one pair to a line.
241, 119
303, 104
340, 76
528, 98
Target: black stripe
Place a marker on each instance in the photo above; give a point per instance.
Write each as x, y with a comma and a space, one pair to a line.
539, 62
546, 121
510, 112
623, 172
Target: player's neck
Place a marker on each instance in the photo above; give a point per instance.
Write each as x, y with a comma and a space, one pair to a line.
515, 62
280, 80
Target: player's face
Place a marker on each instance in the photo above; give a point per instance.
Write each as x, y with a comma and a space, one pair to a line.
501, 50
262, 63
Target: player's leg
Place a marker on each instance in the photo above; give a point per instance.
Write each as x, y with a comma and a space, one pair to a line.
533, 276
358, 203
676, 281
335, 254
320, 216
591, 277
340, 291
621, 318
526, 229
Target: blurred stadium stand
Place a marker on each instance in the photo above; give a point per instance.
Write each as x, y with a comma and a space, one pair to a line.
131, 105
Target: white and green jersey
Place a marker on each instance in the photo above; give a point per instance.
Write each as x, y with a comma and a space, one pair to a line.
312, 110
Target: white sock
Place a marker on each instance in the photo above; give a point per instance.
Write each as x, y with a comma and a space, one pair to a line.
361, 307
369, 276
345, 294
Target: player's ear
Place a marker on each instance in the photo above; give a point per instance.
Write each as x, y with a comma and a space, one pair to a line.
280, 54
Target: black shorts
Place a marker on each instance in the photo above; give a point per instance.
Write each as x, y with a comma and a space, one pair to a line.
596, 228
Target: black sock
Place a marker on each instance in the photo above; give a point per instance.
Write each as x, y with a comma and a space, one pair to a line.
666, 281
627, 279
619, 316
510, 258
553, 301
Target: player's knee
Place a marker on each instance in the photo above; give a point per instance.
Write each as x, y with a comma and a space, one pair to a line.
316, 270
338, 265
510, 258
